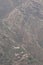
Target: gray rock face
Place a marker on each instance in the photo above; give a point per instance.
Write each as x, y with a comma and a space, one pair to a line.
21, 32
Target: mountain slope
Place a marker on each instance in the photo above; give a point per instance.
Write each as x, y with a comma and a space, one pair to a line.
21, 34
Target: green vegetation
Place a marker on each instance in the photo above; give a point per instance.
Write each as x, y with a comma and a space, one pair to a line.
31, 60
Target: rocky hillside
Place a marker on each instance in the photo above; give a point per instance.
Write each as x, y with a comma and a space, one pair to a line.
21, 32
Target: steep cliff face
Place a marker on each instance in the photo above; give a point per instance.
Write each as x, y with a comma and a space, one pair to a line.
21, 33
